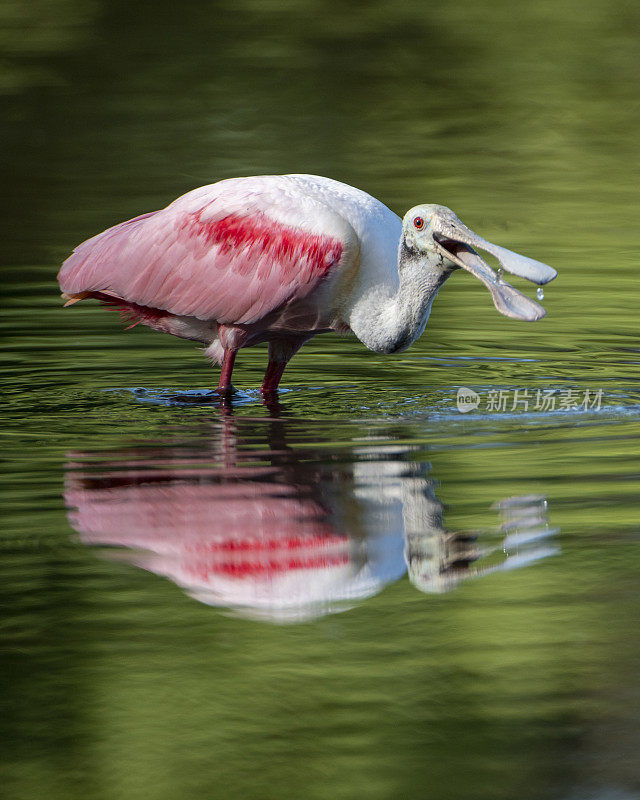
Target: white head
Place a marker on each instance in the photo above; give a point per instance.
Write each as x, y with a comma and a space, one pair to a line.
436, 234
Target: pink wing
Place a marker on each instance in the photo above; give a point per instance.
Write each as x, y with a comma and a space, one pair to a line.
231, 252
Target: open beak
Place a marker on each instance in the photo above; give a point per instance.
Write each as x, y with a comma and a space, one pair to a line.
456, 242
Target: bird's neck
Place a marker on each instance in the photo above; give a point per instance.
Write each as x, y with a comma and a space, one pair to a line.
389, 318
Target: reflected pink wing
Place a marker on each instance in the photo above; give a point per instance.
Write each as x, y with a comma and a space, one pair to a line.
231, 252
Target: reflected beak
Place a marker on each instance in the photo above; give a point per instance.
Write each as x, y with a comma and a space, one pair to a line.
456, 242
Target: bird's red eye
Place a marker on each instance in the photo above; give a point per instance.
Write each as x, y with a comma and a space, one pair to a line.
418, 223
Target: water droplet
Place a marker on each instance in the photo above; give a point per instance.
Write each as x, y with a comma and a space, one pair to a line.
540, 293
499, 274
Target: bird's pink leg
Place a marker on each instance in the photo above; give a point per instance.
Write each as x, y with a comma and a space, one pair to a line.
224, 384
272, 376
280, 351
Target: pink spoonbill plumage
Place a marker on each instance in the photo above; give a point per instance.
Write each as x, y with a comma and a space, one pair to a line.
281, 258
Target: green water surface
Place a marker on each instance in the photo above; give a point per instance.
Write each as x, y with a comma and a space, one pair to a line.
358, 592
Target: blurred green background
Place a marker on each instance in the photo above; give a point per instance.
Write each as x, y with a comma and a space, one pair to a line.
523, 118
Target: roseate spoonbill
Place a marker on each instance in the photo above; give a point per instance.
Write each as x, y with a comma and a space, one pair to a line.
281, 258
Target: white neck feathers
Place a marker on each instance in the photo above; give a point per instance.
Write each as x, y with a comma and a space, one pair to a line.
388, 317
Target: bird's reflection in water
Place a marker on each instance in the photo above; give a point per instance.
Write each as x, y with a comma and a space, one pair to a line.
240, 520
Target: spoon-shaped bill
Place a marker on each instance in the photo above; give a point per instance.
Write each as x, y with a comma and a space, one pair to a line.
516, 264
506, 299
